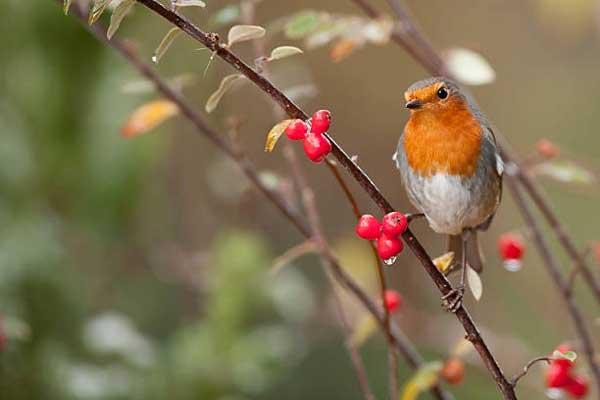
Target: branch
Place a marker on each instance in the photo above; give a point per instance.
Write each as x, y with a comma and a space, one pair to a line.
562, 286
401, 342
521, 374
211, 41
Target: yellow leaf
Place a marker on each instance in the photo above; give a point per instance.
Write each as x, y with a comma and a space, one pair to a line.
97, 10
342, 49
241, 33
461, 348
165, 43
365, 328
423, 379
148, 116
284, 51
444, 262
474, 283
275, 133
225, 85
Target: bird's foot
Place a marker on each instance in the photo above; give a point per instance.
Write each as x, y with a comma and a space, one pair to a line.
453, 299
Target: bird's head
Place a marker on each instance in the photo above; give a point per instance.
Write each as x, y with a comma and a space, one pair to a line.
434, 94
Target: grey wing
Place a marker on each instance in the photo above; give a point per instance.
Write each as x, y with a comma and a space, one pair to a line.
495, 168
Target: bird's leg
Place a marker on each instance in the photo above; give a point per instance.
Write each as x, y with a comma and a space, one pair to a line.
412, 217
453, 299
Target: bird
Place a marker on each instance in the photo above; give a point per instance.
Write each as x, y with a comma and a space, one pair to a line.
451, 168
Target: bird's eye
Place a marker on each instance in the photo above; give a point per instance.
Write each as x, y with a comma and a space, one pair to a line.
442, 93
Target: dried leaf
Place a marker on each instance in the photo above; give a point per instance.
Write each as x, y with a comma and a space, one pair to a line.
342, 49
66, 6
474, 283
566, 171
189, 3
568, 355
302, 24
165, 43
97, 10
444, 262
284, 51
469, 67
425, 377
293, 254
241, 33
148, 116
226, 84
461, 348
226, 15
275, 133
118, 15
365, 328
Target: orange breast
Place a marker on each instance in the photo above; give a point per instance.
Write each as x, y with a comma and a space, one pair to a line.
444, 140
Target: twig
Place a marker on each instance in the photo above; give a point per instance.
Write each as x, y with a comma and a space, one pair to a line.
521, 374
402, 344
211, 41
551, 265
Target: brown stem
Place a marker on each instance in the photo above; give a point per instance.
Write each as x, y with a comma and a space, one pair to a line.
521, 374
562, 286
403, 345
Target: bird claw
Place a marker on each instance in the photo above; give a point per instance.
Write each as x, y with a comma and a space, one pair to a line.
453, 299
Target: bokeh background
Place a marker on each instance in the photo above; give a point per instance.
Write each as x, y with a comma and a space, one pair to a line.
139, 269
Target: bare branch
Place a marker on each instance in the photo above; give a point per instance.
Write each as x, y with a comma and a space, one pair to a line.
521, 374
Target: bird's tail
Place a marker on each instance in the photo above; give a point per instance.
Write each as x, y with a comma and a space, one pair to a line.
474, 255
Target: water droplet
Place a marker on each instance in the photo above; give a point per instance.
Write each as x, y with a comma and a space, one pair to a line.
154, 59
555, 394
390, 260
513, 265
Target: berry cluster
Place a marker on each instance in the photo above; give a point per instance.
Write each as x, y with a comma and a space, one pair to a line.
386, 233
560, 376
316, 145
511, 249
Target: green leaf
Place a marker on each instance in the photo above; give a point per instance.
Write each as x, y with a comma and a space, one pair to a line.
284, 51
241, 33
469, 67
569, 355
302, 24
226, 84
165, 43
97, 10
66, 6
226, 15
189, 3
566, 171
474, 283
118, 15
423, 379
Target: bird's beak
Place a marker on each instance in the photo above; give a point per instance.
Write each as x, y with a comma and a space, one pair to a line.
413, 104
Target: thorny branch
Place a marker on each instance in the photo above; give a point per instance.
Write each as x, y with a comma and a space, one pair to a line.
401, 342
211, 41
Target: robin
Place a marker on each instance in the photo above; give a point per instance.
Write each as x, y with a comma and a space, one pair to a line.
451, 169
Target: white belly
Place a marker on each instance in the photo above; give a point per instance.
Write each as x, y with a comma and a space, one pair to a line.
448, 202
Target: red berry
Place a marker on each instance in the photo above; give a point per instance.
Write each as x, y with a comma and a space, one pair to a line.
547, 149
320, 121
316, 146
296, 130
394, 223
368, 227
557, 376
577, 387
453, 371
511, 246
389, 246
393, 300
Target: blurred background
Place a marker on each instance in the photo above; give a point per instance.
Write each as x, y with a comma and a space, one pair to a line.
139, 269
